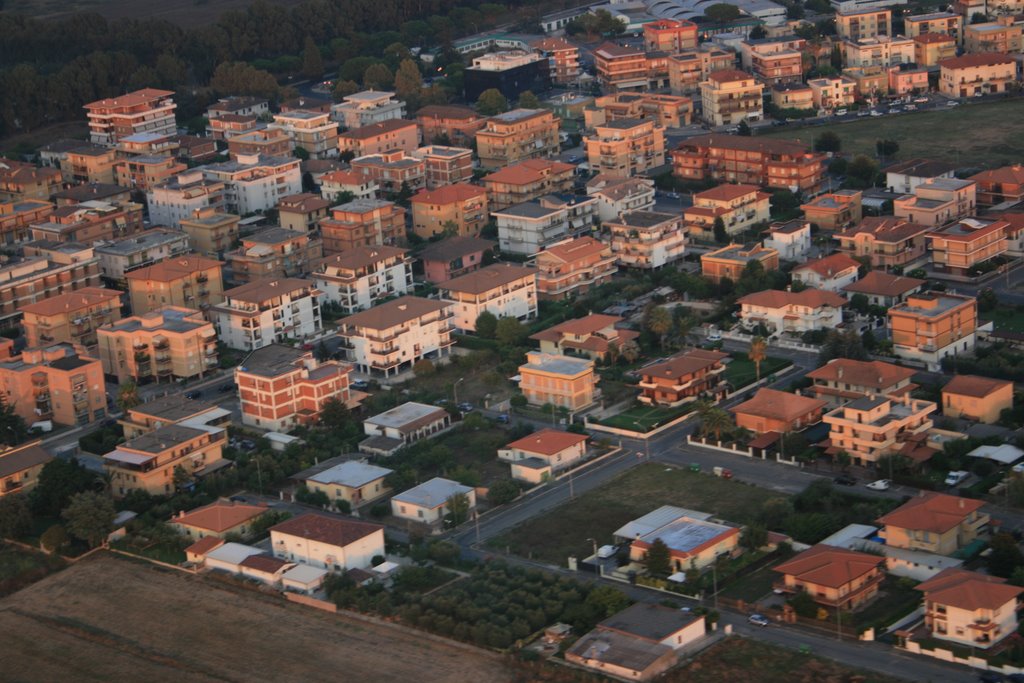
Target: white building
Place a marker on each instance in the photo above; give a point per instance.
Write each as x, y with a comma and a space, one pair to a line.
502, 289
428, 502
850, 6
646, 239
253, 183
616, 196
328, 542
536, 457
811, 309
527, 228
121, 256
181, 197
359, 278
267, 311
313, 131
390, 337
367, 107
831, 273
402, 425
791, 239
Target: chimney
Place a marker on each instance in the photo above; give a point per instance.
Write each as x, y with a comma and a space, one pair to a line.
961, 503
840, 372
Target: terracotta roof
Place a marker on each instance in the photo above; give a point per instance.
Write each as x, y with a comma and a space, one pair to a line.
487, 278
576, 249
595, 322
931, 511
684, 364
343, 178
72, 301
451, 248
830, 266
829, 566
132, 99
530, 171
375, 129
874, 374
20, 458
889, 230
933, 38
359, 257
264, 563
335, 531
1010, 175
204, 545
303, 203
881, 283
553, 44
728, 75
972, 385
441, 111
220, 516
746, 143
548, 441
259, 291
395, 312
976, 60
611, 50
967, 590
174, 268
727, 192
1015, 221
778, 405
449, 194
775, 298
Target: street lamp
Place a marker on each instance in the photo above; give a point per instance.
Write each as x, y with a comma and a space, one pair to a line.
455, 390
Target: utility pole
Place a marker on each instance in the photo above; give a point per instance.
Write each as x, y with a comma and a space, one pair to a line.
455, 390
572, 496
476, 519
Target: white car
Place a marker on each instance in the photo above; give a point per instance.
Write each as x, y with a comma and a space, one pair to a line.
911, 107
863, 112
955, 477
841, 112
875, 112
880, 485
758, 620
922, 100
952, 103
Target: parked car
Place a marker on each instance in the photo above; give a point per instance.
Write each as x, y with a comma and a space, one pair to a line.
758, 620
991, 677
863, 112
193, 395
875, 112
359, 384
921, 100
952, 103
695, 467
841, 112
466, 407
880, 485
504, 418
723, 472
225, 388
911, 107
845, 480
955, 477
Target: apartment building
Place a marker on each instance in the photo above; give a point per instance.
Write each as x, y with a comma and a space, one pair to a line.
561, 381
973, 74
832, 273
937, 202
76, 194
510, 72
834, 210
224, 128
267, 142
144, 111
70, 318
774, 60
335, 183
453, 256
164, 345
273, 253
183, 196
449, 124
312, 131
792, 239
363, 222
935, 23
527, 180
796, 312
211, 232
281, 387
667, 111
863, 23
89, 163
563, 59
366, 108
254, 184
171, 409
187, 281
740, 207
626, 147
377, 138
527, 228
932, 48
593, 336
391, 337
89, 222
266, 312
516, 136
842, 380
445, 165
884, 51
905, 176
687, 70
573, 267
20, 181
667, 35
729, 97
154, 462
143, 172
958, 248
302, 212
647, 240
873, 427
16, 217
53, 382
887, 242
796, 96
730, 261
621, 67
501, 289
770, 163
393, 171
459, 209
832, 92
884, 289
929, 327
143, 249
237, 106
1000, 185
683, 378
361, 277
1002, 35
908, 79
45, 271
872, 82
616, 196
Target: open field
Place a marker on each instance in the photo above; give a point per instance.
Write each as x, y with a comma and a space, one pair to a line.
564, 531
110, 619
740, 659
185, 13
989, 134
740, 371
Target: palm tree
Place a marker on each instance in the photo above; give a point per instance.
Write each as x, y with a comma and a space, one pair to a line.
757, 353
128, 397
716, 421
659, 322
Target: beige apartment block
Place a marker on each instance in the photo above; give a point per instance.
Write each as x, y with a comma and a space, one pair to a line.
517, 135
626, 147
164, 345
730, 97
185, 281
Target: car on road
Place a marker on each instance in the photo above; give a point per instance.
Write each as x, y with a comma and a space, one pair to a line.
880, 485
845, 480
863, 112
979, 94
922, 100
193, 395
875, 112
911, 107
952, 103
894, 110
991, 677
504, 419
841, 112
574, 159
359, 384
758, 620
466, 407
225, 388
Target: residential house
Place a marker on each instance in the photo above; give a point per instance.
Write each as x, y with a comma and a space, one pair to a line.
363, 222
873, 427
592, 336
730, 97
647, 240
932, 48
562, 381
960, 247
687, 69
887, 242
449, 124
883, 51
884, 289
793, 96
20, 181
795, 312
831, 273
501, 289
621, 67
219, 519
616, 196
1002, 35
563, 59
460, 209
89, 163
335, 183
54, 383
527, 180
935, 23
573, 267
16, 217
1000, 185
391, 337
403, 425
76, 194
539, 456
360, 278
126, 254
929, 327
774, 60
667, 35
693, 541
451, 257
683, 378
792, 239
157, 462
70, 318
778, 164
166, 344
90, 222
366, 108
863, 23
986, 73
834, 210
937, 202
445, 165
740, 208
625, 147
171, 409
302, 212
905, 176
354, 482
268, 311
666, 111
777, 411
835, 578
326, 541
144, 171
731, 260
430, 502
274, 252
377, 138
516, 136
842, 380
982, 399
211, 232
20, 467
908, 79
186, 281
935, 523
970, 609
144, 111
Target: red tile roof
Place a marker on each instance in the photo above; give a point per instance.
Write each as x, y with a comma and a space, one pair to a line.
375, 129
931, 511
548, 441
488, 278
131, 99
70, 302
684, 364
449, 194
729, 75
220, 516
972, 385
968, 590
976, 60
727, 192
440, 111
528, 172
881, 283
828, 566
874, 374
264, 563
778, 405
578, 248
888, 230
775, 298
830, 266
204, 546
1008, 175
331, 530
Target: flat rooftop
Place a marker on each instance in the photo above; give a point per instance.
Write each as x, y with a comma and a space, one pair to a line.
405, 414
271, 361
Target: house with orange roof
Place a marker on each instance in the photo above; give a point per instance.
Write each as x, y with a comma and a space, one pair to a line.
932, 48
530, 179
16, 217
187, 281
780, 311
459, 209
977, 74
740, 207
935, 523
502, 289
667, 111
777, 411
451, 257
1000, 185
842, 380
969, 608
393, 170
218, 519
537, 457
833, 577
887, 242
981, 399
928, 327
71, 317
730, 97
563, 58
301, 212
762, 161
517, 135
872, 427
834, 210
884, 289
830, 273
381, 137
959, 247
683, 378
729, 261
621, 67
453, 124
1014, 233
591, 336
335, 183
20, 181
568, 269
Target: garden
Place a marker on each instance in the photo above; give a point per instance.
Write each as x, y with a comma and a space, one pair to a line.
741, 371
644, 418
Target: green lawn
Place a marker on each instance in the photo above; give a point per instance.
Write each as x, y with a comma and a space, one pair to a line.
554, 536
751, 587
989, 134
1007, 318
898, 598
645, 418
740, 371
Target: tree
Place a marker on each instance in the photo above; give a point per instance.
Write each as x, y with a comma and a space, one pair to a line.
128, 396
408, 83
312, 60
1005, 556
715, 421
659, 559
758, 32
630, 351
15, 516
335, 413
458, 509
378, 77
754, 537
757, 353
658, 322
862, 171
13, 428
607, 601
502, 491
424, 368
240, 78
58, 481
827, 142
510, 332
321, 351
343, 89
527, 100
721, 236
301, 153
491, 102
722, 13
979, 18
886, 148
836, 58
486, 325
846, 344
743, 129
518, 401
90, 517
181, 478
53, 539
987, 300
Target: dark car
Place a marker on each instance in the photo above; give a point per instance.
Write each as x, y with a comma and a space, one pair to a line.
991, 677
504, 418
225, 388
193, 395
845, 480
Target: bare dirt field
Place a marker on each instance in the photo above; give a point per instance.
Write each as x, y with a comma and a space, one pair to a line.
185, 13
115, 619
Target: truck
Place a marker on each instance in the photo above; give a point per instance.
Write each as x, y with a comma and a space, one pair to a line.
955, 477
723, 472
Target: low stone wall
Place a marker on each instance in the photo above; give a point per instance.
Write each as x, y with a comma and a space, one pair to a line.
950, 656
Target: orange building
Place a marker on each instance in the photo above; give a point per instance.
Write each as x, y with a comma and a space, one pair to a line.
302, 212
666, 35
144, 111
281, 387
563, 57
842, 380
392, 171
20, 181
445, 165
908, 79
1000, 185
449, 124
45, 271
935, 23
758, 161
969, 75
729, 261
774, 61
731, 97
959, 247
20, 467
574, 267
793, 96
932, 48
453, 256
1002, 35
517, 135
378, 138
740, 207
156, 462
683, 378
982, 399
561, 381
888, 242
90, 222
16, 217
143, 172
777, 411
929, 327
620, 67
460, 208
71, 317
90, 164
833, 577
363, 222
625, 148
688, 69
211, 232
863, 23
647, 240
873, 427
834, 210
527, 180
167, 344
667, 111
186, 281
54, 383
267, 142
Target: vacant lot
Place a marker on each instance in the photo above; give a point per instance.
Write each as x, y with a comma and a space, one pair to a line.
739, 659
186, 13
990, 134
597, 514
20, 567
111, 619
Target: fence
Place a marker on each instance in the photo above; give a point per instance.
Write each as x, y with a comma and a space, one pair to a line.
748, 452
950, 656
636, 435
311, 602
